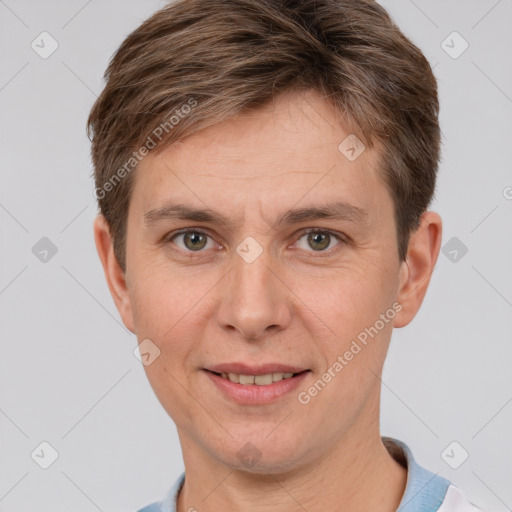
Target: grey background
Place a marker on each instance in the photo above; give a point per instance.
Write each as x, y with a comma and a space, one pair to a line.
68, 375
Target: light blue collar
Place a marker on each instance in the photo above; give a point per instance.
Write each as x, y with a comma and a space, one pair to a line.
424, 491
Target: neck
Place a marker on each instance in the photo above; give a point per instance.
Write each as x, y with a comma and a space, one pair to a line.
357, 475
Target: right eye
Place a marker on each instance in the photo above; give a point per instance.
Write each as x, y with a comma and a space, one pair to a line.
192, 240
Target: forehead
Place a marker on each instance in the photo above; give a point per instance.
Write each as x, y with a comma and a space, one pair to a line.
293, 151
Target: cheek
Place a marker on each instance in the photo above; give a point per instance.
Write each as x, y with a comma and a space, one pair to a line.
165, 299
347, 323
349, 298
354, 346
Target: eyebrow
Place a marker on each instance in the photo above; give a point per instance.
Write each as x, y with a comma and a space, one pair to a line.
336, 211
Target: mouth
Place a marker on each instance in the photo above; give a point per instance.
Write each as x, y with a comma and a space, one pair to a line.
256, 389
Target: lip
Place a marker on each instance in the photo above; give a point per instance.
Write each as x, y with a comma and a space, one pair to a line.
252, 394
263, 369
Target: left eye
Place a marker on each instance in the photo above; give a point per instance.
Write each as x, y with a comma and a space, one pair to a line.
318, 240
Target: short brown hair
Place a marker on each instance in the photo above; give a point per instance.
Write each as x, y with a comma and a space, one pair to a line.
232, 55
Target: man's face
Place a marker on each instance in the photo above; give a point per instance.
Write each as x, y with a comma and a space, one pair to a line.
212, 298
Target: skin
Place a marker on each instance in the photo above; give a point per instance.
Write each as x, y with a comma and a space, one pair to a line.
293, 304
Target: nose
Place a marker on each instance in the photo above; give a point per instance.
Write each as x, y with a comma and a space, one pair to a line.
254, 299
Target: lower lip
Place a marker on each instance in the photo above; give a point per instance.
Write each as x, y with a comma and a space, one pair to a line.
250, 394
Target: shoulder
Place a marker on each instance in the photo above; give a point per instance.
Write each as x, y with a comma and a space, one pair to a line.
456, 500
168, 503
153, 507
426, 491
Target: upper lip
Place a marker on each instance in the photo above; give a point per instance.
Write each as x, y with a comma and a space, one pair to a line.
263, 369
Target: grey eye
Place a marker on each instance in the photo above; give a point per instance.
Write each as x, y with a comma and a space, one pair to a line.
192, 240
317, 240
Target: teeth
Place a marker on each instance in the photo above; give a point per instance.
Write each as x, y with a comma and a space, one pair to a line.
259, 380
246, 379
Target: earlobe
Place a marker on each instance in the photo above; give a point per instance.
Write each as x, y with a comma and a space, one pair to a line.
415, 273
116, 278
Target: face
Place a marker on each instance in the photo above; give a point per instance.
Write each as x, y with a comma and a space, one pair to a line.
295, 256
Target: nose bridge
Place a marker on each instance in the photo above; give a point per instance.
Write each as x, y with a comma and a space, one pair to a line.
253, 300
251, 279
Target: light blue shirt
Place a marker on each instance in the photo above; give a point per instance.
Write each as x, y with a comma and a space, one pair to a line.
424, 491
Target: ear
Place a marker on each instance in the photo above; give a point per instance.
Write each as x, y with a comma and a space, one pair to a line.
416, 270
114, 275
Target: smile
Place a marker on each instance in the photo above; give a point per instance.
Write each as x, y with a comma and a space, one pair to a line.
255, 389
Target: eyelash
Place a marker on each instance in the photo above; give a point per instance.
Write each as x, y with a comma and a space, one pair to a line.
340, 238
